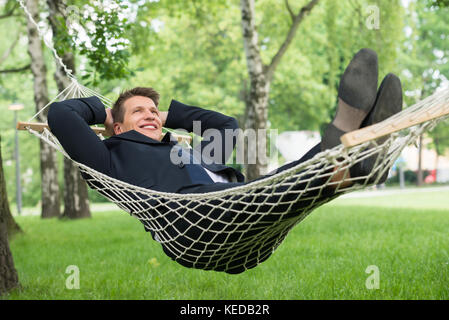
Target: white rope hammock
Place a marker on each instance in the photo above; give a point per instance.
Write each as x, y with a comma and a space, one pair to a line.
238, 228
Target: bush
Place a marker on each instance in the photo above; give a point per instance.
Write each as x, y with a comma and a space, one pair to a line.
410, 177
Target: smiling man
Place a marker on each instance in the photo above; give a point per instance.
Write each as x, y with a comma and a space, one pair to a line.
136, 110
136, 151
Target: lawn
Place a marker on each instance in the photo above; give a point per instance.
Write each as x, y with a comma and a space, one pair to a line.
325, 257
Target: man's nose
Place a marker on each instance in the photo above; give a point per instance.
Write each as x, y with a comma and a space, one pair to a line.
149, 115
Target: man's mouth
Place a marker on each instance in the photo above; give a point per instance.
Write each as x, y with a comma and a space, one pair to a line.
149, 126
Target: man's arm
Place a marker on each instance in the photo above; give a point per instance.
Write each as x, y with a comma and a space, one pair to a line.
181, 116
69, 121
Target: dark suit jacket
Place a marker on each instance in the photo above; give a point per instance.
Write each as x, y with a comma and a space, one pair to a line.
131, 156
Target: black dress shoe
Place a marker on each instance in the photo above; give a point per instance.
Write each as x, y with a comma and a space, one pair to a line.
356, 97
388, 103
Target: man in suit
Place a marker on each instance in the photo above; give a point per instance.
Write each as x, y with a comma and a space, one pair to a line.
138, 153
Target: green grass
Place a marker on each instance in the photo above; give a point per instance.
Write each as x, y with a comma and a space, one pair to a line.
324, 257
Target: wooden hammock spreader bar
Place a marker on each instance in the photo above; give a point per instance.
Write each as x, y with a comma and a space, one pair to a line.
39, 127
392, 125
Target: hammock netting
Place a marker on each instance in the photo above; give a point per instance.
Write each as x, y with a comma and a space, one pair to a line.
236, 229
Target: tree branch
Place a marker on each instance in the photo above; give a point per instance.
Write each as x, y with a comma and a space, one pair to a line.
10, 12
292, 15
269, 70
8, 51
21, 69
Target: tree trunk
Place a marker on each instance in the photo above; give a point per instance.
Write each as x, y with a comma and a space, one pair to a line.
50, 201
256, 102
11, 224
76, 201
8, 273
256, 112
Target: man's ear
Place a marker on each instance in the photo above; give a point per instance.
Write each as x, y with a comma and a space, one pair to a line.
117, 128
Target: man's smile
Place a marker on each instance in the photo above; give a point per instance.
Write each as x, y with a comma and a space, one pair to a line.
149, 126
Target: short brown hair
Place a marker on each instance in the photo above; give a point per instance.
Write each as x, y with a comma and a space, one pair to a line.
118, 110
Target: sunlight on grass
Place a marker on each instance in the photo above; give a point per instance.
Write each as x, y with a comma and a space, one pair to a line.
413, 198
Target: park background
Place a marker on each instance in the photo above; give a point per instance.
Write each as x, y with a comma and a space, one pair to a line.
194, 51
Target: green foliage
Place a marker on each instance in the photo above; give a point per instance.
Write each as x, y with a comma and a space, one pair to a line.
348, 29
97, 31
199, 62
440, 138
63, 41
410, 178
439, 3
425, 50
425, 59
106, 49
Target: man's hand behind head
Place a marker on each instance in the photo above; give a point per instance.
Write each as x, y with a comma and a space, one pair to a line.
109, 123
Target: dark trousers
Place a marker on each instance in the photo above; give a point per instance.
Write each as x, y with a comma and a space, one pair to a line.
224, 233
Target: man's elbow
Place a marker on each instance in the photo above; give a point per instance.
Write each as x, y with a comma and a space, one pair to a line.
233, 123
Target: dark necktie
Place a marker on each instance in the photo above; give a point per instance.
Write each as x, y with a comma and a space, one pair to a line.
197, 173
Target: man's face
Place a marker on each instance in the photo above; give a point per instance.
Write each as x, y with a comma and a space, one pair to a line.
141, 115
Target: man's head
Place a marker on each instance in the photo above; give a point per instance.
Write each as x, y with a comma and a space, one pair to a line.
136, 109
